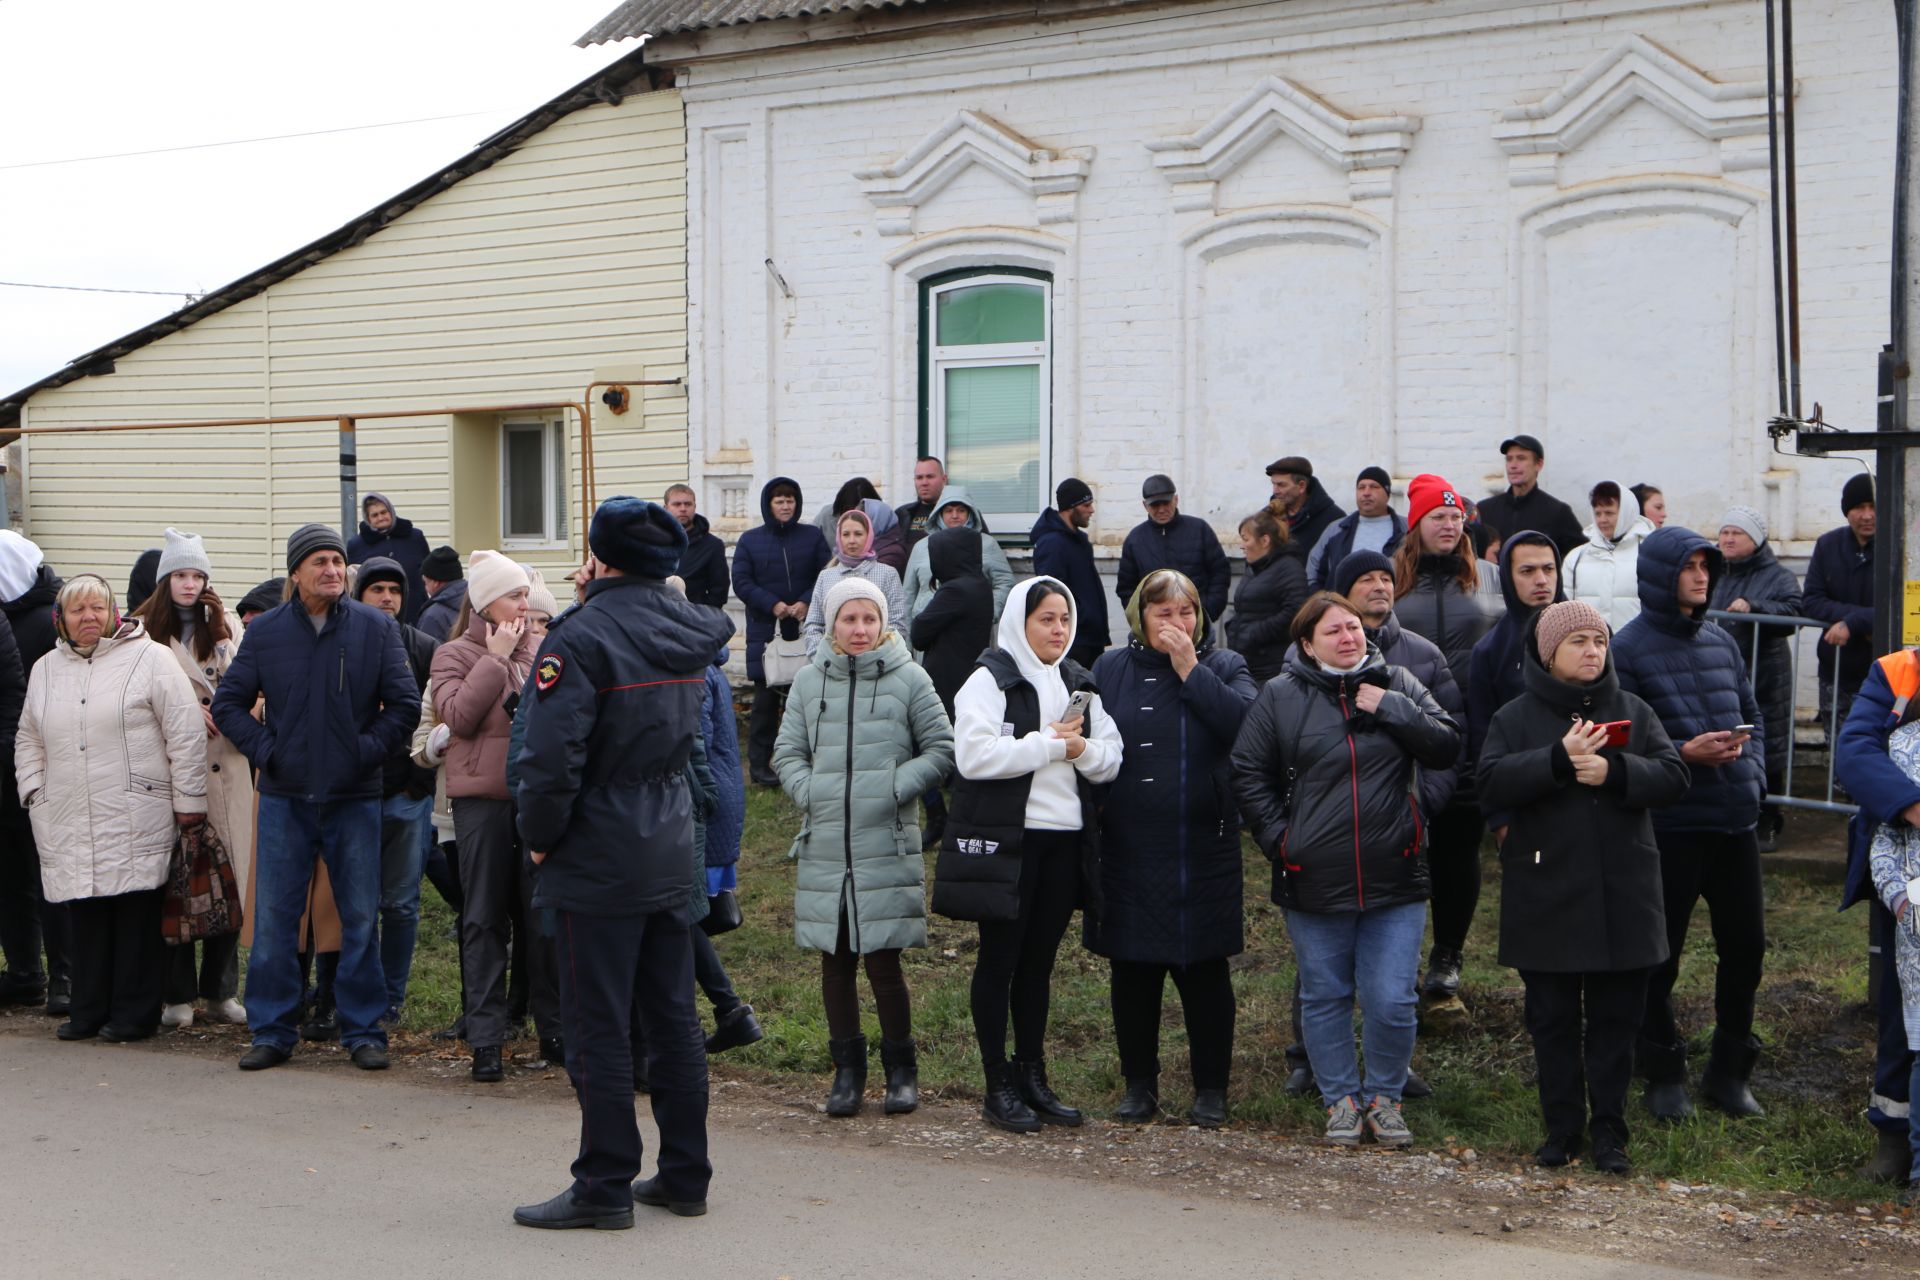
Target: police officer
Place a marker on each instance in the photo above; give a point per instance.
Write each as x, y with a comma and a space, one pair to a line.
604, 805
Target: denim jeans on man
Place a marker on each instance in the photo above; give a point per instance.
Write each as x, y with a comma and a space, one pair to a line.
292, 833
1376, 956
403, 855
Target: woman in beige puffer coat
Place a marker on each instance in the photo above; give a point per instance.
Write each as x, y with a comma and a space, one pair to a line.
111, 759
185, 615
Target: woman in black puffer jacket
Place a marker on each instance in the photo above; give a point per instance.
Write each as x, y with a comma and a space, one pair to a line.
1271, 592
1324, 771
1170, 863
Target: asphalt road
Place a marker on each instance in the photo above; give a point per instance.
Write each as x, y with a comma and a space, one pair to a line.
120, 1161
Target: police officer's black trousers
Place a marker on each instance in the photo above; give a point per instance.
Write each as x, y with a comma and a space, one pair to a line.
613, 968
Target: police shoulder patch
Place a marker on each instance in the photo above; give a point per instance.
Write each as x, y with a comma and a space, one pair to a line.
547, 672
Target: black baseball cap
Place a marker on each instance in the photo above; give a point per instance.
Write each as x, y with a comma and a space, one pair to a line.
1530, 443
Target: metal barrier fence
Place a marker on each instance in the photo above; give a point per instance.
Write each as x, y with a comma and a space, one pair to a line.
1736, 623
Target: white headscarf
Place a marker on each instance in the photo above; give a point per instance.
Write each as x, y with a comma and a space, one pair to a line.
20, 562
1043, 676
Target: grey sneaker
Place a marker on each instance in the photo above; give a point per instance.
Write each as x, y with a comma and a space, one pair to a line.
1388, 1126
1344, 1125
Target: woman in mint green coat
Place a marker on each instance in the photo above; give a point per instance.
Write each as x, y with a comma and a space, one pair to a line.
864, 737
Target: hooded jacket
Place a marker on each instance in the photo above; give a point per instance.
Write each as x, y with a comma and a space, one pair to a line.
1310, 523
1337, 544
1496, 673
1690, 673
956, 625
703, 565
1170, 863
1065, 554
864, 737
144, 578
1600, 571
442, 611
1186, 543
1330, 790
919, 581
889, 539
110, 747
1840, 589
401, 543
1580, 884
1271, 591
30, 616
602, 771
1768, 587
776, 563
1508, 514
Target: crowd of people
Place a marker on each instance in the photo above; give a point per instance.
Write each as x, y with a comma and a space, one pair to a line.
1381, 693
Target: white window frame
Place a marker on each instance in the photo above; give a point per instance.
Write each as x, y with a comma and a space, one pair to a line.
989, 355
555, 485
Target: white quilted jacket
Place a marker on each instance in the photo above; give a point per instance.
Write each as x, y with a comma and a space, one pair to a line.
110, 748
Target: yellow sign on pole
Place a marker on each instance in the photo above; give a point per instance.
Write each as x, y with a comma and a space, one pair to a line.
1910, 615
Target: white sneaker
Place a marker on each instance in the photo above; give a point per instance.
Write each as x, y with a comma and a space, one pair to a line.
229, 1010
177, 1015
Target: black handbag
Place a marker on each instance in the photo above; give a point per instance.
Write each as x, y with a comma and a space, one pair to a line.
723, 914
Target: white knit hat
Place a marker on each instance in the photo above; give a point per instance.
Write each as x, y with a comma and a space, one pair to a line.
491, 575
539, 594
183, 551
855, 588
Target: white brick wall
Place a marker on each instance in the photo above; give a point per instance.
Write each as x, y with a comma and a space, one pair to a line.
1630, 330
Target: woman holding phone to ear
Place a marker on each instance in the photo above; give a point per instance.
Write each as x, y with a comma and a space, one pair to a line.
1021, 848
1582, 913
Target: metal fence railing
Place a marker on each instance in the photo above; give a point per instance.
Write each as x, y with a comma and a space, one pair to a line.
1739, 626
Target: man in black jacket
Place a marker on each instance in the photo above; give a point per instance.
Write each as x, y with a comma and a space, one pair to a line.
445, 585
1525, 505
1062, 551
27, 920
929, 482
1373, 526
1303, 503
604, 808
1168, 540
704, 567
406, 794
1839, 591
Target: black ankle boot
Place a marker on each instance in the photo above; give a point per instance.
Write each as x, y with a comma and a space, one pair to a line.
1892, 1158
1030, 1078
1209, 1109
1724, 1083
849, 1076
901, 1061
1003, 1108
1443, 974
1142, 1103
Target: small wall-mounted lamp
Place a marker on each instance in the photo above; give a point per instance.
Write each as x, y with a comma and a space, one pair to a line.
616, 398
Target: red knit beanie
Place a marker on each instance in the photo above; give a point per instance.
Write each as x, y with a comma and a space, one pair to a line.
1430, 491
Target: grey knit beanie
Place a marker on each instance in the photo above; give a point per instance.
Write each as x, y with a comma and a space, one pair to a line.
1748, 521
183, 551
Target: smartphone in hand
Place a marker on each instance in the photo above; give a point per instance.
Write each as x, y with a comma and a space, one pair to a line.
1077, 705
1617, 732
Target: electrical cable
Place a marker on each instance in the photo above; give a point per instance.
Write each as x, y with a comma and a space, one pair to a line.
241, 142
82, 288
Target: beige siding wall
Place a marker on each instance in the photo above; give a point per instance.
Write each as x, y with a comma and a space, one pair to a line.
561, 263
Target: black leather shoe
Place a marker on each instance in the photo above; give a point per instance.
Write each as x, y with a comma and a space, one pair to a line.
554, 1050
1300, 1082
1443, 974
74, 1031
647, 1192
735, 1031
1142, 1103
487, 1068
565, 1212
262, 1056
1209, 1109
455, 1030
26, 989
59, 998
901, 1061
370, 1057
1557, 1151
1724, 1083
1611, 1159
1416, 1088
323, 1025
114, 1034
1003, 1108
849, 1076
1668, 1102
1030, 1078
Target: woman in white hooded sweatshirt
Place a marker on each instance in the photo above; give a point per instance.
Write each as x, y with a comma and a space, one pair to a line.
1602, 571
1021, 846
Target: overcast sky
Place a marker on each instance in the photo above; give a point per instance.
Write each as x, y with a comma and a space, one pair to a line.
109, 76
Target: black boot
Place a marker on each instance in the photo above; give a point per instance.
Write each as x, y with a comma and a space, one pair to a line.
901, 1061
1665, 1066
1142, 1103
736, 1030
1443, 974
1724, 1083
849, 1076
1209, 1109
1299, 1081
1892, 1158
1030, 1078
1003, 1108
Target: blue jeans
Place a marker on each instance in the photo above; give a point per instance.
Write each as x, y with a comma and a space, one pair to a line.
346, 835
1375, 955
1913, 1121
403, 854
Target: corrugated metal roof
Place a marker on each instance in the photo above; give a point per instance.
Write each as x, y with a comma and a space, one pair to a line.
637, 18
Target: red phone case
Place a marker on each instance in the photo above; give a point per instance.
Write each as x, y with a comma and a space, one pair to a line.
1617, 731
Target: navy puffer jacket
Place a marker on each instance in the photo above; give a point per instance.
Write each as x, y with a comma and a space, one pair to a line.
1690, 672
777, 563
1170, 864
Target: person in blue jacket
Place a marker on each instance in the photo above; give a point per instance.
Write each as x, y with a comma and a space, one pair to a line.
1063, 551
340, 699
1885, 794
1691, 673
774, 570
383, 532
607, 816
